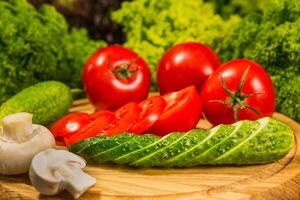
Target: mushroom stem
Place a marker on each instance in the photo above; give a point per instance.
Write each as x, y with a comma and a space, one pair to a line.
17, 127
75, 180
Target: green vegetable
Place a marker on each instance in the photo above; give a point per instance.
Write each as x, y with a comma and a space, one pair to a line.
241, 7
47, 101
36, 45
154, 26
243, 143
272, 39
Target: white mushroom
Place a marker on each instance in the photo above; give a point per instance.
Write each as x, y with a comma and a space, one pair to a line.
53, 170
20, 140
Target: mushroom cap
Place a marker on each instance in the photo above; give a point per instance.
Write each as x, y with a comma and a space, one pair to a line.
15, 157
45, 162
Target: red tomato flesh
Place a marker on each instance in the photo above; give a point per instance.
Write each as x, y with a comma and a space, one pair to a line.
151, 110
182, 112
69, 124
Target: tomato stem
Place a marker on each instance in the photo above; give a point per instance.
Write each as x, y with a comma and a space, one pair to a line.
236, 98
123, 71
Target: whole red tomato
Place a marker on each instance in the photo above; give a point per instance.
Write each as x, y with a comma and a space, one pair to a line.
115, 75
240, 89
184, 65
182, 112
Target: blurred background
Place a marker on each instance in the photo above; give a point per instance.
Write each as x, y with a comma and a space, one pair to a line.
95, 15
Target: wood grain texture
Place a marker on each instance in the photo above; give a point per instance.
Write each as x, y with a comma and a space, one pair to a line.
279, 180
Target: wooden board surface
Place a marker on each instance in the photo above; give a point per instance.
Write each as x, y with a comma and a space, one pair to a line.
279, 180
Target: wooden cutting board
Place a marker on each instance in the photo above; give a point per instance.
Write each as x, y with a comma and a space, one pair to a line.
279, 180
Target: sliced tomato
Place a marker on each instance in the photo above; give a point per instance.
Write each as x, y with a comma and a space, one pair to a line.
107, 123
152, 108
126, 116
69, 124
99, 113
105, 119
182, 113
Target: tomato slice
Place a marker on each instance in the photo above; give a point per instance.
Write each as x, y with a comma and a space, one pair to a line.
69, 124
107, 123
104, 119
126, 116
182, 113
152, 108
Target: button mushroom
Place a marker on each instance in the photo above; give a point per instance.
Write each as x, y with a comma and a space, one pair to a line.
20, 140
53, 170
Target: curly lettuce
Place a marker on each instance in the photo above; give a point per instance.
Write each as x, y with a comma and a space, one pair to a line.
37, 45
154, 26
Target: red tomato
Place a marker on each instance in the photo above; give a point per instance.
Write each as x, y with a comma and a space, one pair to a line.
151, 110
115, 75
250, 94
107, 123
105, 119
69, 124
182, 113
184, 65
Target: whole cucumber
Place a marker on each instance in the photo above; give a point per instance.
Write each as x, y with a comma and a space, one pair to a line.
47, 101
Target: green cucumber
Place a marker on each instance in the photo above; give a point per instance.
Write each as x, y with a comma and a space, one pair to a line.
180, 145
103, 145
216, 135
243, 130
135, 156
124, 148
47, 101
243, 143
271, 141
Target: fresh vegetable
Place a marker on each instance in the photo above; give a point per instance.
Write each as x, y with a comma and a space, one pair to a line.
37, 45
53, 171
104, 120
242, 143
184, 65
240, 7
160, 24
271, 39
240, 89
152, 108
108, 123
47, 101
20, 140
182, 112
69, 124
114, 76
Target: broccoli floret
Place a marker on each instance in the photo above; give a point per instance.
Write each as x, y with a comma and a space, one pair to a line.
154, 26
36, 45
272, 39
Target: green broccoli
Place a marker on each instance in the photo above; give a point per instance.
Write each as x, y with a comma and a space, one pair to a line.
154, 26
36, 45
273, 40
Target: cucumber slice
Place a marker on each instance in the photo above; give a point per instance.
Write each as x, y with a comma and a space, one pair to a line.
190, 139
137, 142
216, 135
148, 160
103, 145
243, 130
83, 144
138, 154
271, 141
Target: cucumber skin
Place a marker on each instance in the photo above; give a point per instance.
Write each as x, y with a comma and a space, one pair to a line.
269, 142
47, 101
